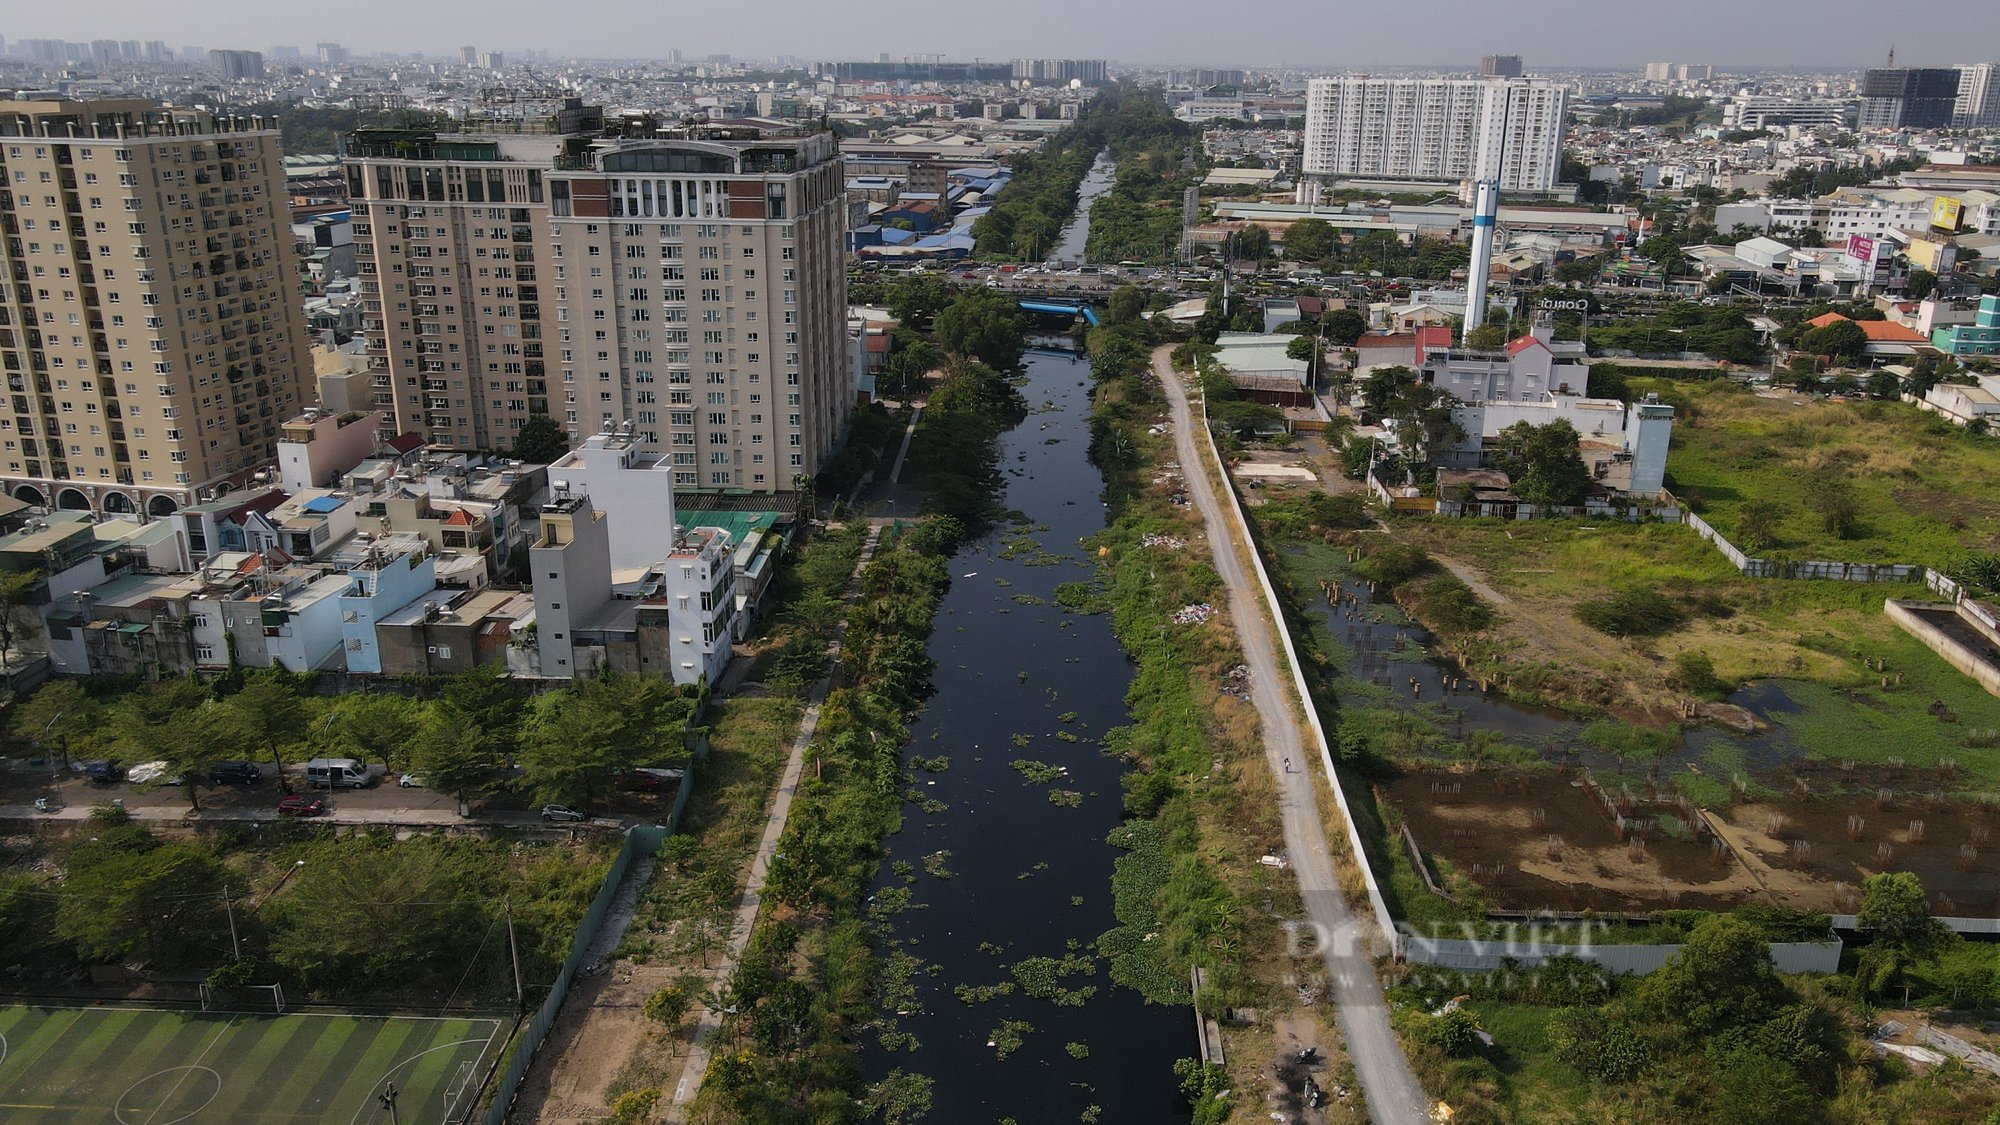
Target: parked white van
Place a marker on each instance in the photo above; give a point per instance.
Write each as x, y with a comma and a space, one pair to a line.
338, 773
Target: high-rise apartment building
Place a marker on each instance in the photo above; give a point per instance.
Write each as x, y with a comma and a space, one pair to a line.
1908, 97
1500, 66
1444, 129
149, 328
688, 290
699, 295
238, 65
1055, 72
1978, 104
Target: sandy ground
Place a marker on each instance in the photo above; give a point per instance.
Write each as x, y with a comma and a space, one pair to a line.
1496, 827
1827, 875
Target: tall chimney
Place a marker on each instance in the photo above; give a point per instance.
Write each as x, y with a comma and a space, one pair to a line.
1485, 210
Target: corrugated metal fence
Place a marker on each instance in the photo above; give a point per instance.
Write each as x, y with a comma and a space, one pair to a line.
640, 841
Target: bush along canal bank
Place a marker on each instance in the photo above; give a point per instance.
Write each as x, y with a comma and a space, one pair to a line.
1202, 805
785, 1052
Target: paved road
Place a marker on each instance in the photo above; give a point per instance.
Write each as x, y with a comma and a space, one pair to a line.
1394, 1096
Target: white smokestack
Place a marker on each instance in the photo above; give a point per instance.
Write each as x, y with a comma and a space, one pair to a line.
1485, 211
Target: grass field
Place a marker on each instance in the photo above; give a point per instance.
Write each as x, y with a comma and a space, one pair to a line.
135, 1066
1923, 485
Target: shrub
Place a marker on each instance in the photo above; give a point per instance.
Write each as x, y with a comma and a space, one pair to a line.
1450, 606
1455, 1033
1597, 1045
1631, 613
1695, 673
1394, 563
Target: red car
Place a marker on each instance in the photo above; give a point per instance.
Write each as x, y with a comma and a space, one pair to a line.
301, 806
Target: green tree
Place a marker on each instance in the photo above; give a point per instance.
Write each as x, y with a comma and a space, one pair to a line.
1425, 427
371, 909
1543, 462
1488, 336
1127, 305
16, 592
1922, 284
471, 733
1721, 977
669, 1004
379, 727
581, 738
1757, 523
1665, 251
985, 325
271, 707
1896, 916
129, 896
1342, 327
1841, 340
177, 723
1833, 498
540, 441
917, 299
1305, 349
1309, 240
57, 717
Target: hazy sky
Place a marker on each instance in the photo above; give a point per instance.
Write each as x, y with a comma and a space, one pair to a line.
1332, 33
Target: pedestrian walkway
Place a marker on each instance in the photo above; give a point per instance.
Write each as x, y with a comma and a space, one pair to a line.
745, 921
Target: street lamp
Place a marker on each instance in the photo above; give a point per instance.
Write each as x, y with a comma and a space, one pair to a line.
43, 741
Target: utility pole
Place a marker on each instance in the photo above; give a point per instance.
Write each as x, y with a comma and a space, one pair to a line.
514, 952
235, 947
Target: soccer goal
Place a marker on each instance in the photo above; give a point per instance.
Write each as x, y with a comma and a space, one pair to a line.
243, 998
460, 1088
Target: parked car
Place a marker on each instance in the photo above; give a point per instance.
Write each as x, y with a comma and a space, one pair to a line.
561, 813
102, 771
301, 806
235, 773
153, 773
651, 779
411, 781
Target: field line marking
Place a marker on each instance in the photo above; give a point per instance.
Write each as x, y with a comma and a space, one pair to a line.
190, 1069
390, 1073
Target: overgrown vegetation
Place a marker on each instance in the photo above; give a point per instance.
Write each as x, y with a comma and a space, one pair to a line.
786, 1051
1715, 1035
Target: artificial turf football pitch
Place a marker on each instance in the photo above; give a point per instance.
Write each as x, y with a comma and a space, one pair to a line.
140, 1066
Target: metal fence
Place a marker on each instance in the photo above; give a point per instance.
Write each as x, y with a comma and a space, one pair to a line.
639, 842
1485, 956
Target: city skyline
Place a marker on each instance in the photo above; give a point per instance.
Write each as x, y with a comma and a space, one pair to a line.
1554, 34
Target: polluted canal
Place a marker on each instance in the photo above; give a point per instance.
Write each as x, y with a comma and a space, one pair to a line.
994, 893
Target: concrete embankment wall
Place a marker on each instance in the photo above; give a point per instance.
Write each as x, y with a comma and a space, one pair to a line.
1955, 652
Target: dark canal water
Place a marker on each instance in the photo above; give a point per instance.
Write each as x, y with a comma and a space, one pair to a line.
1028, 877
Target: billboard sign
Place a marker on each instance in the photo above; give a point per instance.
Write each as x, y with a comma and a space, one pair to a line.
1861, 248
1945, 213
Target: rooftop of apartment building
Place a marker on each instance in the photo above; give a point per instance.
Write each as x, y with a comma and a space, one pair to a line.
116, 119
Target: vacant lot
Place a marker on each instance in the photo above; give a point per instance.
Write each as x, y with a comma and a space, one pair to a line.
1922, 487
1751, 628
1537, 840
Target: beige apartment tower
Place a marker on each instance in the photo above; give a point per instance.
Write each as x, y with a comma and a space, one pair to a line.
149, 330
685, 287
